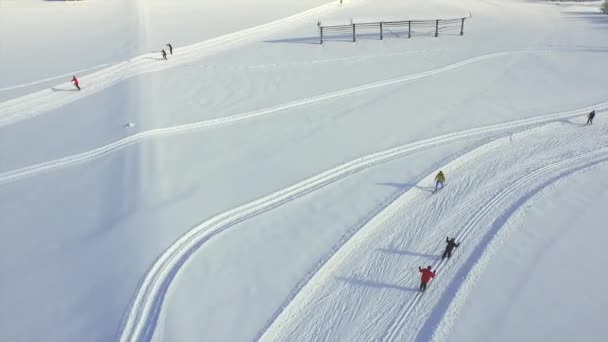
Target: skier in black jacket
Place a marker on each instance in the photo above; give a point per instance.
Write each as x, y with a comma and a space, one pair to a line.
451, 244
590, 117
170, 48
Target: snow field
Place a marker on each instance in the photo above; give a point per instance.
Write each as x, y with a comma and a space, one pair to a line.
217, 209
413, 228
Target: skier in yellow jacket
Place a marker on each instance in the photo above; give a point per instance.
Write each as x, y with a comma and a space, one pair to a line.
439, 179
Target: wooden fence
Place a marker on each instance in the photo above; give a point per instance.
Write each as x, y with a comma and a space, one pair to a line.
380, 28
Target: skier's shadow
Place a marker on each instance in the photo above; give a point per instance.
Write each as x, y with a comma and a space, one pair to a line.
407, 186
375, 284
407, 253
59, 89
154, 58
572, 123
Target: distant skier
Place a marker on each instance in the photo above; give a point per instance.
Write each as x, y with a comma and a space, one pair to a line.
439, 179
170, 48
451, 244
427, 275
164, 54
75, 80
590, 117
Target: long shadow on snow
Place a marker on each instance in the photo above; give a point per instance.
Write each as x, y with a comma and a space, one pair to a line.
407, 253
347, 38
374, 284
570, 122
440, 309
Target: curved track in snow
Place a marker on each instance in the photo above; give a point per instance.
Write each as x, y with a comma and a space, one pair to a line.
32, 170
28, 106
297, 320
576, 163
143, 315
34, 104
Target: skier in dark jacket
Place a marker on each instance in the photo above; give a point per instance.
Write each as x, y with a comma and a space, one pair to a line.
451, 244
164, 54
170, 48
427, 275
590, 117
75, 80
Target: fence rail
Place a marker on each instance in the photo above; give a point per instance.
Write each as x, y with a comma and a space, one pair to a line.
434, 26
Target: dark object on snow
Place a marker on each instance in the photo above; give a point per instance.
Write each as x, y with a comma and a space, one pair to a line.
75, 80
427, 275
170, 48
451, 244
590, 117
164, 54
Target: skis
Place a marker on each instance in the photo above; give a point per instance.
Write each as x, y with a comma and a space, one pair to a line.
436, 191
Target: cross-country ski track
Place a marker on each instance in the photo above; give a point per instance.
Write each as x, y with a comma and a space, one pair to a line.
32, 105
120, 144
147, 305
312, 311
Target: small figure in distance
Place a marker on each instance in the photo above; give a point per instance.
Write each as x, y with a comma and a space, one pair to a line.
590, 117
75, 80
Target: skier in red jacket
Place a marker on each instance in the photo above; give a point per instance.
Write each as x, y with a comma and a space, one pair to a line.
75, 80
427, 275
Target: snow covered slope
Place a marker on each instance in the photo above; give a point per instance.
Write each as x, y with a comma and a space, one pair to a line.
271, 183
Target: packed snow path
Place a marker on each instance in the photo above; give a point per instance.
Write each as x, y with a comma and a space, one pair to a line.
31, 105
148, 303
368, 290
104, 150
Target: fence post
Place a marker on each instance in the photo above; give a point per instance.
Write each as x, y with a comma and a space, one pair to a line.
409, 29
354, 32
462, 27
320, 32
381, 31
437, 28
321, 41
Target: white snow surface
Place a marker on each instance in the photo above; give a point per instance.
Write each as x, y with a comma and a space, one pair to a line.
260, 186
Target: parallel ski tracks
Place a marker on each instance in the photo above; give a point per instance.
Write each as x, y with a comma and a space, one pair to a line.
28, 106
573, 162
147, 304
32, 170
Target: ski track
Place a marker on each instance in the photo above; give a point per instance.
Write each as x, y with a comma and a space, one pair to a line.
63, 162
34, 104
32, 170
28, 106
525, 181
301, 294
53, 78
142, 317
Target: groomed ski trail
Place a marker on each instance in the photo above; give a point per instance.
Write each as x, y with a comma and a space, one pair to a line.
291, 313
28, 106
36, 169
581, 161
141, 320
22, 85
